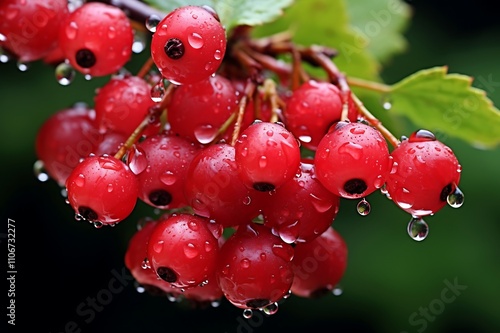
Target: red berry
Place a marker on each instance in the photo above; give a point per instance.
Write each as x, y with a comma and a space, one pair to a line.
135, 258
122, 104
312, 109
102, 189
352, 160
97, 39
424, 174
188, 45
198, 110
214, 190
267, 155
163, 169
31, 28
254, 267
302, 208
319, 265
64, 138
183, 249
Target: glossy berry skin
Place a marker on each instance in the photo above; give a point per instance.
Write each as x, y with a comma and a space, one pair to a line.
122, 104
352, 160
134, 261
254, 267
163, 170
188, 45
319, 265
425, 172
198, 110
312, 109
183, 249
213, 188
64, 138
31, 28
97, 39
102, 189
302, 208
267, 155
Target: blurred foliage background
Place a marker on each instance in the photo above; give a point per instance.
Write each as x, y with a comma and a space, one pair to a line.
390, 281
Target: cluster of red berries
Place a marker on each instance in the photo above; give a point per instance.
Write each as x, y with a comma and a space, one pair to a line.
216, 152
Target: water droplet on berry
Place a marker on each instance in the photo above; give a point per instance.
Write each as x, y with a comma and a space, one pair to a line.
353, 149
158, 91
78, 217
247, 313
195, 40
217, 55
405, 199
111, 32
110, 188
262, 162
418, 229
357, 130
64, 73
208, 246
305, 138
22, 66
137, 160
289, 233
245, 263
270, 309
379, 181
2, 38
4, 56
80, 180
205, 133
422, 135
97, 224
363, 207
215, 229
71, 30
455, 199
38, 169
394, 168
321, 205
193, 225
158, 246
152, 22
247, 200
168, 178
190, 251
285, 252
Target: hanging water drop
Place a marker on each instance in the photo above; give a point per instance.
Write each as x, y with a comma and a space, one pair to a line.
158, 91
247, 313
140, 42
88, 77
270, 309
137, 160
337, 291
363, 207
4, 56
418, 228
139, 288
65, 74
386, 103
22, 66
455, 199
215, 304
40, 174
152, 22
98, 225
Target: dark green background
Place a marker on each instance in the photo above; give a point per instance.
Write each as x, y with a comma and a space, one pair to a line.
389, 277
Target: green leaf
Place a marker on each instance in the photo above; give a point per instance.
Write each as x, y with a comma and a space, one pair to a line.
380, 23
326, 22
232, 12
448, 105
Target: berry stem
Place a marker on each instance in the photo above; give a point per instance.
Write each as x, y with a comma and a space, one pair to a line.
274, 99
369, 85
249, 92
372, 120
145, 68
155, 113
135, 10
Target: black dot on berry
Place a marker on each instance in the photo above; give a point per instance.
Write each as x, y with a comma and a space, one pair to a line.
319, 292
445, 192
257, 303
87, 213
166, 274
85, 58
174, 48
355, 186
160, 198
263, 187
